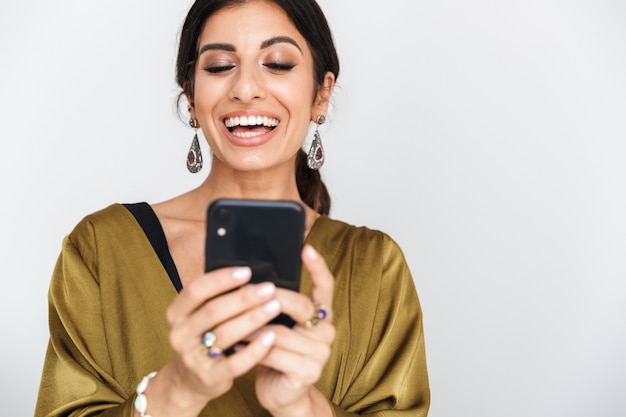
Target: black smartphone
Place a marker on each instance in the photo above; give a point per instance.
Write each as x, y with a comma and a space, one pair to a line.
265, 235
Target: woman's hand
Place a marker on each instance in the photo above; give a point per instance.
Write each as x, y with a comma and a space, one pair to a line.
193, 378
285, 377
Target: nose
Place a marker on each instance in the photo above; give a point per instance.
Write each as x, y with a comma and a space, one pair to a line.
247, 84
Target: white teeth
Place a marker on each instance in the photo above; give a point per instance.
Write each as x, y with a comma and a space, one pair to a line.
251, 121
247, 134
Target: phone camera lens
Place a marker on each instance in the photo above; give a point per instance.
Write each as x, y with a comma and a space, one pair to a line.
223, 215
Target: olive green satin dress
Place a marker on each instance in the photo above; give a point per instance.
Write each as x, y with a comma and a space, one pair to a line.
107, 301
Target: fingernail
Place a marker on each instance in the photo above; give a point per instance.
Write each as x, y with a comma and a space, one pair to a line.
268, 339
265, 289
242, 273
272, 307
310, 252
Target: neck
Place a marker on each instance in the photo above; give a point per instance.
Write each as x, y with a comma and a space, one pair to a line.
277, 183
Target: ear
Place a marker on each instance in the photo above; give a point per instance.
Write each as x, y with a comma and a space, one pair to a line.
188, 96
322, 98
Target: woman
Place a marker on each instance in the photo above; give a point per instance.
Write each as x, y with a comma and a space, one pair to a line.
129, 300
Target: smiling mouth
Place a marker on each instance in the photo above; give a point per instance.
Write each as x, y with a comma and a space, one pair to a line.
250, 126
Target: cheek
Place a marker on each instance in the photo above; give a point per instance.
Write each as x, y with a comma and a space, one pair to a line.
206, 98
205, 83
208, 91
295, 98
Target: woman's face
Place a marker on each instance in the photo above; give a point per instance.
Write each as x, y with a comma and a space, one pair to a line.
254, 89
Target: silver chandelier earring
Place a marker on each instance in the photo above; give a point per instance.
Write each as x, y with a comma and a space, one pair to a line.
315, 157
194, 156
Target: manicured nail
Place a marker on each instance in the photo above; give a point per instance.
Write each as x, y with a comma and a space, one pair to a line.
268, 339
310, 252
242, 273
265, 289
272, 307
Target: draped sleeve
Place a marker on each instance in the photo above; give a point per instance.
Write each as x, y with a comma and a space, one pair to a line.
77, 376
378, 360
107, 298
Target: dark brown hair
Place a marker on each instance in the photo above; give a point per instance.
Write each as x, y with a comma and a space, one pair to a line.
310, 21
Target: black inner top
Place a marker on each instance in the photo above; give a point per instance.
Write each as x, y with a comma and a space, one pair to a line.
151, 226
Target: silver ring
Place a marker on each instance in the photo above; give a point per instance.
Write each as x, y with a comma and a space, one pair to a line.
208, 344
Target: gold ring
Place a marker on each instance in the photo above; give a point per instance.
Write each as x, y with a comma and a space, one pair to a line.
319, 314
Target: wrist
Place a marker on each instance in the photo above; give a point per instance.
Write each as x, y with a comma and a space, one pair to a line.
160, 395
312, 404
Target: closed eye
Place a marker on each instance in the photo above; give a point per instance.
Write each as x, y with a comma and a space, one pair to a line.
279, 67
219, 68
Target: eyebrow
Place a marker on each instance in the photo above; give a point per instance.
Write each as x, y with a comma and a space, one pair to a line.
265, 44
216, 46
280, 39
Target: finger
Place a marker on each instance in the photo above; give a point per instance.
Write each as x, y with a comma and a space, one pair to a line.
300, 370
205, 287
323, 281
241, 327
227, 306
323, 331
297, 306
304, 341
247, 357
228, 368
245, 310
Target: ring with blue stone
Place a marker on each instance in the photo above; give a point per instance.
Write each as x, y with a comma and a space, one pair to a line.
208, 344
319, 315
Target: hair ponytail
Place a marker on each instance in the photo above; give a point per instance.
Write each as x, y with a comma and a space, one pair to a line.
310, 186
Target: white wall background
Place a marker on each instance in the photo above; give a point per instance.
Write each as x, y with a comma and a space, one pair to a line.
488, 138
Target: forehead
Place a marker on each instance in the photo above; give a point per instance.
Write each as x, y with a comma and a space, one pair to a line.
249, 24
